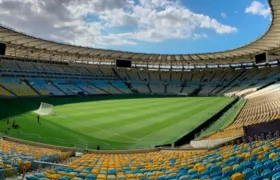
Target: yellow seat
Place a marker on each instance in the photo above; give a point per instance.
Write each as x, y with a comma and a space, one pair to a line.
237, 176
260, 157
95, 171
266, 149
101, 177
201, 169
139, 176
273, 155
131, 176
226, 168
159, 173
234, 166
197, 166
72, 175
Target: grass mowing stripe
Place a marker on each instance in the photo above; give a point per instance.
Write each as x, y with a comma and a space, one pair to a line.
101, 111
87, 114
29, 124
104, 132
106, 117
101, 133
138, 118
168, 135
171, 118
151, 116
96, 106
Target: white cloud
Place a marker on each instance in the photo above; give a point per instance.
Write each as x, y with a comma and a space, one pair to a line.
223, 15
257, 8
147, 20
199, 36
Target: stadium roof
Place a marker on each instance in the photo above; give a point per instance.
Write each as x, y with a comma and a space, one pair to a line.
23, 45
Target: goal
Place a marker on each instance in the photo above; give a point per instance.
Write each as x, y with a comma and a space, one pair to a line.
45, 109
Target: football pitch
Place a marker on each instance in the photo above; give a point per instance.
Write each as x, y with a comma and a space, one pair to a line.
113, 122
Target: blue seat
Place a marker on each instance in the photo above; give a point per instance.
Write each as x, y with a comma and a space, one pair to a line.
161, 178
170, 177
269, 164
82, 176
32, 178
205, 177
215, 174
91, 177
217, 178
259, 168
256, 177
39, 175
214, 168
185, 177
267, 173
228, 173
276, 169
192, 171
248, 173
239, 168
195, 176
276, 176
64, 178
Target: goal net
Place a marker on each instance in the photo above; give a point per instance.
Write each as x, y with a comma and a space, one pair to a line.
45, 109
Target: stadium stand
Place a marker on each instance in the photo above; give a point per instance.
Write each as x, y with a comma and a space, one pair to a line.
66, 86
141, 87
261, 106
121, 86
21, 156
190, 87
176, 76
133, 75
44, 88
108, 72
144, 75
157, 88
103, 85
174, 87
254, 160
4, 92
155, 76
165, 77
18, 87
88, 88
35, 67
9, 65
122, 73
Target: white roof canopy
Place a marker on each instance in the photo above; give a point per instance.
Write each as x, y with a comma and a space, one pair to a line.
26, 46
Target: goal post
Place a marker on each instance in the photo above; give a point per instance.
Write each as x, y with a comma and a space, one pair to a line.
45, 109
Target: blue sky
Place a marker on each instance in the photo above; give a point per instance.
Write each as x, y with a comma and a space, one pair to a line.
150, 26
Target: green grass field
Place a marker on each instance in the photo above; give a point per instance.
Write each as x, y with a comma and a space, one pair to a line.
115, 122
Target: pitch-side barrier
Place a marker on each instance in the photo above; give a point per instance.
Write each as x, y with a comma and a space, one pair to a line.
210, 143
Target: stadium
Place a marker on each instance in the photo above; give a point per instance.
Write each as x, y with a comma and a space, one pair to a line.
75, 112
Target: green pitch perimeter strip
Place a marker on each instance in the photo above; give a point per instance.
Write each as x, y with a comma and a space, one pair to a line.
114, 122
